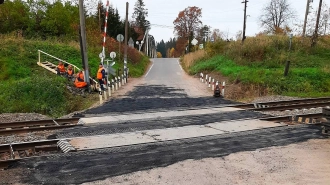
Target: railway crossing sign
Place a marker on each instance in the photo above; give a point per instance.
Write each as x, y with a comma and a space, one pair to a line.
131, 42
194, 42
120, 38
113, 55
111, 70
101, 55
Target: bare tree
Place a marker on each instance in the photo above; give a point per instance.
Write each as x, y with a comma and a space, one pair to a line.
323, 24
276, 15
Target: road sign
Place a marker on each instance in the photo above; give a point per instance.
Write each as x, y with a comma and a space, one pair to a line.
131, 42
111, 71
101, 55
112, 55
201, 46
120, 38
194, 42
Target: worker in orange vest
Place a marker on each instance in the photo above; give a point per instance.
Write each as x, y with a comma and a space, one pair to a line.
60, 68
101, 76
80, 80
70, 72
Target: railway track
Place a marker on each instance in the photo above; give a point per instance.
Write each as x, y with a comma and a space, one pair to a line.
40, 125
10, 153
287, 105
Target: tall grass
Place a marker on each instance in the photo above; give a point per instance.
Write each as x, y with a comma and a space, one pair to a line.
26, 87
260, 61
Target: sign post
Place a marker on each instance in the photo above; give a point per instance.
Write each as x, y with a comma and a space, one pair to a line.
194, 42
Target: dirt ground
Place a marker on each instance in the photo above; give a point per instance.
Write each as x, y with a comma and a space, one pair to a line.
302, 163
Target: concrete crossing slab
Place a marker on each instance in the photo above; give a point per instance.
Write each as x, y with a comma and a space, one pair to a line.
131, 117
148, 136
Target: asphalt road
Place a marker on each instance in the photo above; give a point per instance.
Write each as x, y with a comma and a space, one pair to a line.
165, 87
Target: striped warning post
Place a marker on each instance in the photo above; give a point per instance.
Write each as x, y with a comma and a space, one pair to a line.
105, 30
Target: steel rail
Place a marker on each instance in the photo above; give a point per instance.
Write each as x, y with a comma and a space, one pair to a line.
43, 145
294, 106
29, 126
291, 118
286, 102
38, 123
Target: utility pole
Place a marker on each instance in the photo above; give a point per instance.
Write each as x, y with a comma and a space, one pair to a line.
306, 15
244, 24
83, 41
126, 35
314, 39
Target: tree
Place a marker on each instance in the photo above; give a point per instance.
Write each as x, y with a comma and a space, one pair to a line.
161, 47
276, 15
188, 21
323, 24
159, 55
14, 15
140, 14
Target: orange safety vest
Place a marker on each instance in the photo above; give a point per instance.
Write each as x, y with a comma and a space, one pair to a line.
99, 73
79, 82
61, 68
70, 72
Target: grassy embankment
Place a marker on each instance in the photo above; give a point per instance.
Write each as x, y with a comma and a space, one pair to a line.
26, 87
260, 62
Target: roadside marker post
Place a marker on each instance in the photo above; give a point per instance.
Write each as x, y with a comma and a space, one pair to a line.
223, 88
109, 88
206, 79
213, 84
119, 82
100, 95
210, 81
113, 86
116, 84
202, 78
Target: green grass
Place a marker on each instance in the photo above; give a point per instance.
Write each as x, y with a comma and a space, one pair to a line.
301, 81
25, 87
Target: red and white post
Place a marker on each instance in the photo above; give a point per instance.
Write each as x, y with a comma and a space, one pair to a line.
105, 30
210, 78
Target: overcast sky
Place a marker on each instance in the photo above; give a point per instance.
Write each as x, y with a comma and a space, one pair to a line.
226, 15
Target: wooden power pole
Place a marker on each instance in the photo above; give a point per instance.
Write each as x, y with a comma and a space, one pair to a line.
306, 16
314, 39
244, 24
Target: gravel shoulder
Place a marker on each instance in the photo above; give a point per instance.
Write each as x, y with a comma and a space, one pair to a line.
303, 163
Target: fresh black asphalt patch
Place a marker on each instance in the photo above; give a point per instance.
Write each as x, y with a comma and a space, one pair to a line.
155, 123
87, 166
153, 97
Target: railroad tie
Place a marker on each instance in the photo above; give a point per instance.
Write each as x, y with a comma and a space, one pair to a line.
65, 146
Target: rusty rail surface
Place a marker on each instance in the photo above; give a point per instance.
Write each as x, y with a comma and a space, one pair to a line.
29, 126
29, 149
